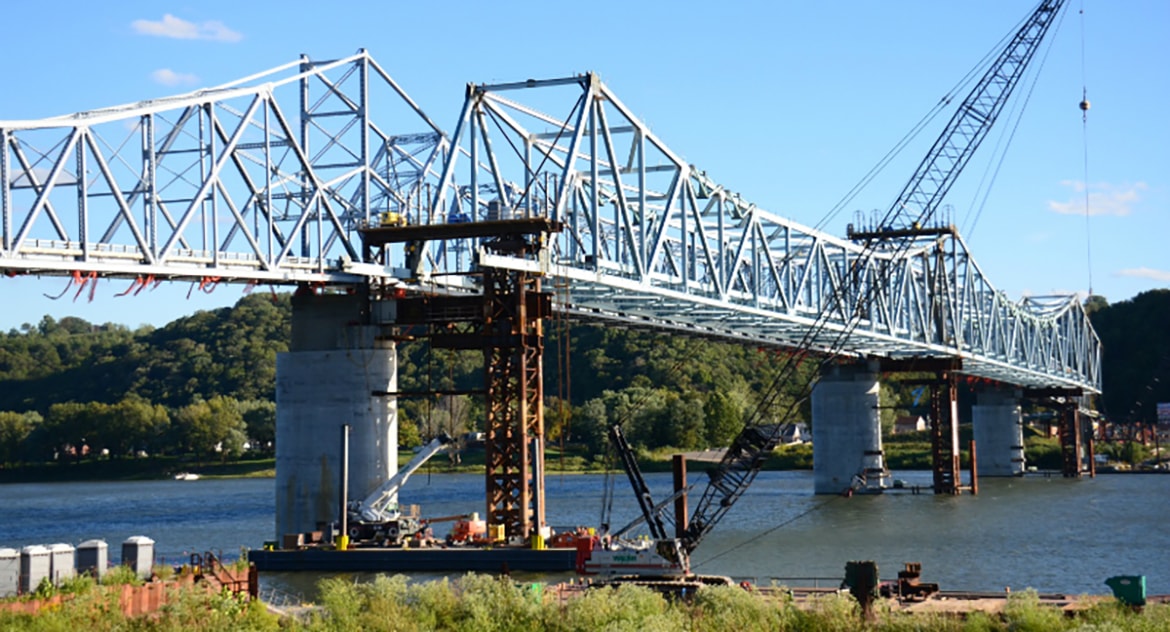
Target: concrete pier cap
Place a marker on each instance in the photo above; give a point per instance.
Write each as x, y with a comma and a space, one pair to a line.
998, 429
846, 429
336, 361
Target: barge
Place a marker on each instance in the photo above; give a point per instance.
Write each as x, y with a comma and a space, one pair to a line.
425, 560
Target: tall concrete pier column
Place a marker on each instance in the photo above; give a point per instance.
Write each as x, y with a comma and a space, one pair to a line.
999, 432
846, 428
327, 378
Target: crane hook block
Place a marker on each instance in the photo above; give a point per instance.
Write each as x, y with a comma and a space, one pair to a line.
1085, 105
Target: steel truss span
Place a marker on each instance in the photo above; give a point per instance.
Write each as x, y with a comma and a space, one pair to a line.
268, 179
649, 240
264, 179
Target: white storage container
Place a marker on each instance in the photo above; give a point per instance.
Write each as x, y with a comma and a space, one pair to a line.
138, 554
35, 564
9, 573
93, 558
61, 563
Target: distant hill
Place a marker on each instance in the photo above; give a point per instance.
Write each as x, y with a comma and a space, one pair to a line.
227, 351
1135, 335
668, 390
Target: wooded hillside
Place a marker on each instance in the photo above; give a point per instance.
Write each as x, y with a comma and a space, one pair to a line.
207, 380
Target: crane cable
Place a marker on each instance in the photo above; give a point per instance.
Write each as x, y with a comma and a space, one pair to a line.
772, 529
999, 153
953, 93
1085, 152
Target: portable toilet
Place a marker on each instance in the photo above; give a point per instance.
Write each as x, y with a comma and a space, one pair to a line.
138, 554
93, 558
61, 565
9, 573
34, 567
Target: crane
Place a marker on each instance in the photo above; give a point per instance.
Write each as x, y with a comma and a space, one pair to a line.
377, 516
923, 193
917, 202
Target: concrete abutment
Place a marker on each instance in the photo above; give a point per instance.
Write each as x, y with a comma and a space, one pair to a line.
998, 429
327, 378
846, 429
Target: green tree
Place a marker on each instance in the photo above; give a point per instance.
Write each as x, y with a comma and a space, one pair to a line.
210, 426
591, 426
1095, 303
70, 426
260, 419
408, 435
15, 429
132, 424
723, 419
680, 422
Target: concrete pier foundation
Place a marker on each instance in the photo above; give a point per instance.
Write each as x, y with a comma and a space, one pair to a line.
846, 429
999, 432
327, 378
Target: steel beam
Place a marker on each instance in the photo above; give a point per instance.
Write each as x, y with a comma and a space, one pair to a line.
1071, 439
944, 435
515, 408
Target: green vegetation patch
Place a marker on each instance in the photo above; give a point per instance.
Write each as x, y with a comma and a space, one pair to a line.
489, 603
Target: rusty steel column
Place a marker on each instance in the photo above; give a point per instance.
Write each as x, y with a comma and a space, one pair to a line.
679, 470
974, 469
513, 347
944, 435
1090, 444
1070, 439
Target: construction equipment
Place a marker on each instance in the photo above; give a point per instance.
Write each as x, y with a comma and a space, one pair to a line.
378, 518
742, 461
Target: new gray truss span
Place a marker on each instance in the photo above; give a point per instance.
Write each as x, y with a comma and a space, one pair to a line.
651, 241
268, 179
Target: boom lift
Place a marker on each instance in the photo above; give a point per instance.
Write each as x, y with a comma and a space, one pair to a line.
378, 517
913, 208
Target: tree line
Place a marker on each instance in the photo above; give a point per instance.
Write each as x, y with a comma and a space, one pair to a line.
204, 384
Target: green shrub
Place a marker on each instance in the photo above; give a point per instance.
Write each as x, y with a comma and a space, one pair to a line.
1044, 453
491, 604
121, 575
831, 613
722, 608
1023, 613
624, 608
982, 622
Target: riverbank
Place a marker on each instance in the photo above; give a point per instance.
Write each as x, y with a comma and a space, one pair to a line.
904, 453
144, 469
798, 457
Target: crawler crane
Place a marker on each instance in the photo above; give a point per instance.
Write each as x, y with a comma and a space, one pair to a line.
666, 555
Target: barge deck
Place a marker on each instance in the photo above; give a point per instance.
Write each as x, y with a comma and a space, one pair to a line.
387, 560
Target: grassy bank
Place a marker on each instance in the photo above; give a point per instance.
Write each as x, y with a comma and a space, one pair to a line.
481, 602
151, 468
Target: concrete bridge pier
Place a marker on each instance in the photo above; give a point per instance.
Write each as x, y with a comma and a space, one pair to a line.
846, 428
999, 431
327, 378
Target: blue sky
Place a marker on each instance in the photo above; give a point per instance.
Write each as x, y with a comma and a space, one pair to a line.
787, 103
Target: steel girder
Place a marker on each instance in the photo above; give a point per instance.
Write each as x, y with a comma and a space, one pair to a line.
651, 241
264, 179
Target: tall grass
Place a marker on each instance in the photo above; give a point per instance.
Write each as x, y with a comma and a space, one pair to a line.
485, 603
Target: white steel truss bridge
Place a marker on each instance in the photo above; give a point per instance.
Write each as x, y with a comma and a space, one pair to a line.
269, 179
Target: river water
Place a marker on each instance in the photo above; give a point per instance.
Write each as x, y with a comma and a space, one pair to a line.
1050, 534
